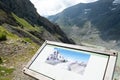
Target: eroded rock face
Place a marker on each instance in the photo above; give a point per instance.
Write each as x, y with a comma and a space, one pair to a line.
23, 8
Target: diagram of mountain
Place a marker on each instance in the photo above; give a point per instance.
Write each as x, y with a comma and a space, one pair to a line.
57, 60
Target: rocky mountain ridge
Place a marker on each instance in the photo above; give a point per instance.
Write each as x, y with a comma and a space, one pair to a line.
94, 23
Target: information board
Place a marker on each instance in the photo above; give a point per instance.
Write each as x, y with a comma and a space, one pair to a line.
60, 61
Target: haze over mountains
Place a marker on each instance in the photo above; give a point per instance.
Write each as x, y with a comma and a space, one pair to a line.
95, 23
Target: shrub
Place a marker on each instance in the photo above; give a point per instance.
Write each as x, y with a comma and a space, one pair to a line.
5, 71
1, 60
2, 36
28, 40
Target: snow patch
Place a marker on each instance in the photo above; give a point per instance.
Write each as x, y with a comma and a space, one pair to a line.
112, 9
86, 11
116, 2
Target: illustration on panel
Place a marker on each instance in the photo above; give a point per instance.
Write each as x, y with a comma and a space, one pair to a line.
70, 60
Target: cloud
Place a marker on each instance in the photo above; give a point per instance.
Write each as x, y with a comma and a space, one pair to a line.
48, 7
51, 7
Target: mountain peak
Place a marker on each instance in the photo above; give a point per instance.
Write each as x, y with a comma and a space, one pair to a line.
94, 23
106, 0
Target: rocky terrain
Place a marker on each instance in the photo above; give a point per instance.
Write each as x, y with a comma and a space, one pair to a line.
15, 53
95, 23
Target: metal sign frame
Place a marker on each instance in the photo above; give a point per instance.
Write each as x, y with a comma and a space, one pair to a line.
108, 75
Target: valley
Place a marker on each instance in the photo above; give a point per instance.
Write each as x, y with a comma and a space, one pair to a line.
93, 24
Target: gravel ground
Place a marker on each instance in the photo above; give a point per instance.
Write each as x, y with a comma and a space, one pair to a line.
16, 54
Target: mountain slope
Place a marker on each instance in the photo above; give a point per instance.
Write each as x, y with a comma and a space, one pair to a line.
22, 31
25, 11
99, 19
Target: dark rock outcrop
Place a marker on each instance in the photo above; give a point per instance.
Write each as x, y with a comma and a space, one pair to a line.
26, 10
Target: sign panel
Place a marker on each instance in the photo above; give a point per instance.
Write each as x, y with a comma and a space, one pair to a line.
59, 61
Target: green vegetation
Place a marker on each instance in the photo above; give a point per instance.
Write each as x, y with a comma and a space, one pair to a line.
5, 72
26, 25
19, 59
21, 53
26, 32
1, 60
23, 22
3, 14
40, 29
2, 36
27, 40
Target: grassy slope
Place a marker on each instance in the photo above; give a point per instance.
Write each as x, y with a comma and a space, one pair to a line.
7, 33
25, 24
34, 28
13, 61
15, 51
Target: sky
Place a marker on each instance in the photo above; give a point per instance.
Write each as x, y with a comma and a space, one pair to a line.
51, 7
74, 55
